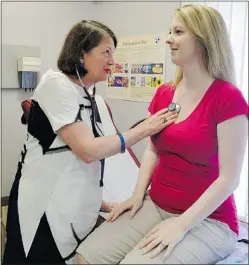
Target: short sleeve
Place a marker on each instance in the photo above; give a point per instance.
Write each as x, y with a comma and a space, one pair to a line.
59, 102
153, 107
231, 103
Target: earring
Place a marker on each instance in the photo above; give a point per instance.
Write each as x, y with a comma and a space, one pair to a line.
81, 63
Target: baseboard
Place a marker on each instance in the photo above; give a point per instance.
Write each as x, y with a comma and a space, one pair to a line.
4, 201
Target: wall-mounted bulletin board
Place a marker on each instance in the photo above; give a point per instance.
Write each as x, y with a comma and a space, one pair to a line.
139, 67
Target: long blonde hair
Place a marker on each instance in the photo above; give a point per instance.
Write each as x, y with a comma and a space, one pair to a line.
210, 31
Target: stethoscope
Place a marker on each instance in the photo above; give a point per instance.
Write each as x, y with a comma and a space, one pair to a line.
94, 124
93, 106
171, 107
174, 107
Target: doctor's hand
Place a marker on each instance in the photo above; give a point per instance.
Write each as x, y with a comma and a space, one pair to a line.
166, 234
158, 121
134, 203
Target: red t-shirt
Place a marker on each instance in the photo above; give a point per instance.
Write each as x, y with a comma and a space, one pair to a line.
188, 151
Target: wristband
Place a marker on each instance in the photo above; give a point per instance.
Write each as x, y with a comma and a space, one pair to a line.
122, 142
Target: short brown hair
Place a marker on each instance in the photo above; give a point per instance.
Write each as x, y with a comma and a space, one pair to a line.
83, 37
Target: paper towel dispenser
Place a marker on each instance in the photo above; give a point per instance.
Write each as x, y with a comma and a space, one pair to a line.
29, 64
28, 68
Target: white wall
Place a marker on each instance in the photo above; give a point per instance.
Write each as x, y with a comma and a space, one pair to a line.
45, 24
42, 24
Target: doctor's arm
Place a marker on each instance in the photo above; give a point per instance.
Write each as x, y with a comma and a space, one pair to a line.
232, 140
79, 138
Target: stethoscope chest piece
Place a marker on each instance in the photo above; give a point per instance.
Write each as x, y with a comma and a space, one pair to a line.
174, 107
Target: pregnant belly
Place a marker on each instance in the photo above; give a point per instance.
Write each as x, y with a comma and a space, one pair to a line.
175, 190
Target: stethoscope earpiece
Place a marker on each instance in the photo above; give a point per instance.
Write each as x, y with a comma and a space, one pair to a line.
174, 107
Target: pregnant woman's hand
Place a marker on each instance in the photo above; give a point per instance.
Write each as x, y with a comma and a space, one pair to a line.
134, 203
